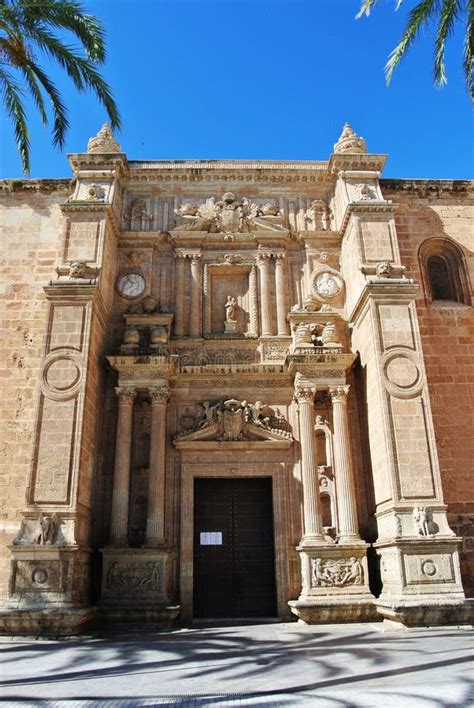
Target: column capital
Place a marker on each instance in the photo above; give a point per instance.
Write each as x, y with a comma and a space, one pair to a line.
159, 395
279, 258
263, 258
339, 394
304, 394
125, 395
180, 255
195, 258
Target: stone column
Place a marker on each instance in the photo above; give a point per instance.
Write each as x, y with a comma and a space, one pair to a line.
313, 528
280, 288
156, 485
121, 485
195, 321
344, 468
264, 267
179, 295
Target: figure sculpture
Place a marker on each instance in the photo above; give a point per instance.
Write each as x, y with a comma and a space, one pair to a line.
46, 529
422, 519
230, 308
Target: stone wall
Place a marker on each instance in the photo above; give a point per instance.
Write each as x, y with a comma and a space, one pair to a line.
32, 234
447, 331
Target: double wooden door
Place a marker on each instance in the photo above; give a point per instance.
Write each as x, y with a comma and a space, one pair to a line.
234, 558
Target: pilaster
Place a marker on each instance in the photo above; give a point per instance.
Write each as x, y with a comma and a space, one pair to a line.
419, 570
51, 555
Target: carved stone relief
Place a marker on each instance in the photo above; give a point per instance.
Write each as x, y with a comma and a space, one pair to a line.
336, 573
234, 420
229, 214
135, 577
423, 520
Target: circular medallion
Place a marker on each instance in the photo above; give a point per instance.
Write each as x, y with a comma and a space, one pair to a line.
328, 285
402, 372
131, 284
62, 374
428, 568
39, 576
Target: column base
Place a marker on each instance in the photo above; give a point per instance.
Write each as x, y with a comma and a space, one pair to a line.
334, 611
422, 582
428, 612
137, 586
334, 584
56, 622
49, 591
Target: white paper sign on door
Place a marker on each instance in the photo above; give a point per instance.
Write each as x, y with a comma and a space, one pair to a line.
210, 538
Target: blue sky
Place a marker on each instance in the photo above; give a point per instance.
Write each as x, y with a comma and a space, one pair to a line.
266, 80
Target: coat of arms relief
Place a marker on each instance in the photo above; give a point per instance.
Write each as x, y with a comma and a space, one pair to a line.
229, 214
233, 420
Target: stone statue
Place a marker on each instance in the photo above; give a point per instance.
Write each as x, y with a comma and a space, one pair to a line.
423, 520
230, 308
46, 529
77, 269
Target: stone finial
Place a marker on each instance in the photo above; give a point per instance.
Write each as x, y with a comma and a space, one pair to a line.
350, 142
104, 141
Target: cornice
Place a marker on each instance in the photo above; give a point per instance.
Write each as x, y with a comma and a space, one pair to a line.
230, 171
360, 208
45, 186
308, 165
428, 187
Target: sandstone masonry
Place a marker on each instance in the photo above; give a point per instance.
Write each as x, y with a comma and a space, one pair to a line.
235, 388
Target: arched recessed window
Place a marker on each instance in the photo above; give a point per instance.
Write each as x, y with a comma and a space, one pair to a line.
444, 272
439, 277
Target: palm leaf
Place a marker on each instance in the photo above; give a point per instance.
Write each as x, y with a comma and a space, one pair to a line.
448, 15
14, 106
418, 17
469, 48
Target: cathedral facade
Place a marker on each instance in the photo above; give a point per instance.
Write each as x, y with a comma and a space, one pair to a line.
236, 389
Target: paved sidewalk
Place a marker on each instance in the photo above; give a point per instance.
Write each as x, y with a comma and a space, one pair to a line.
267, 665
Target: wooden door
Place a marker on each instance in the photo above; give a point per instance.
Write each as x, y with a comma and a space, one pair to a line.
234, 558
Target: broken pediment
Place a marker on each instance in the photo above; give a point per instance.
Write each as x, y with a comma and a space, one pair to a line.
233, 421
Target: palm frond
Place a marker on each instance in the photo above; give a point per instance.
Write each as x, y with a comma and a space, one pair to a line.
69, 15
469, 48
35, 91
12, 94
61, 122
449, 12
82, 71
365, 8
418, 17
